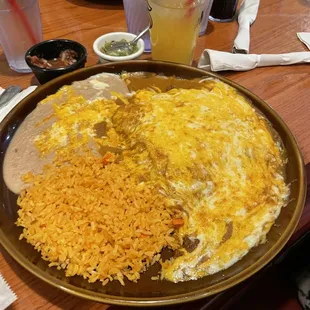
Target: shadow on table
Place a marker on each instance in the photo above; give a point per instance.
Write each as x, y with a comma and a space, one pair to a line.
34, 81
210, 29
99, 4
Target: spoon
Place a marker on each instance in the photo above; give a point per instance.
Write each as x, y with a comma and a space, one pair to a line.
127, 47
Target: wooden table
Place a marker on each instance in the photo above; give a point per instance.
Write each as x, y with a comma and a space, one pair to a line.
286, 89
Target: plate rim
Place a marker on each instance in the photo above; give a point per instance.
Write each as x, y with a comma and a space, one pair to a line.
189, 296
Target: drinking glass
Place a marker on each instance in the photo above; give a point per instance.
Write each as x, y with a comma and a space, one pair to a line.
137, 19
206, 13
175, 28
15, 38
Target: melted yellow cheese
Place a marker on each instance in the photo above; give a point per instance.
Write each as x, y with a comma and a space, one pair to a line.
207, 150
76, 118
216, 156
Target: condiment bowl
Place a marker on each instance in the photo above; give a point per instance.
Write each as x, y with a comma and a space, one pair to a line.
51, 49
116, 36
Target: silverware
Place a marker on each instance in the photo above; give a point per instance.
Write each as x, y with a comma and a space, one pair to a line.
8, 94
246, 17
128, 47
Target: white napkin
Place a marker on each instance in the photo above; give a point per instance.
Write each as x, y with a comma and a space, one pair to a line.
246, 17
221, 61
7, 297
304, 37
14, 101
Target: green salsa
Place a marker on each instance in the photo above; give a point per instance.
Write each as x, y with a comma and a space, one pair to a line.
118, 52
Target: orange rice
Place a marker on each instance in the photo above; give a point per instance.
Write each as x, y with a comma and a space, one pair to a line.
95, 220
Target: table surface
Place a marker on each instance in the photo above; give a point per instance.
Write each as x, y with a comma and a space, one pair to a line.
286, 89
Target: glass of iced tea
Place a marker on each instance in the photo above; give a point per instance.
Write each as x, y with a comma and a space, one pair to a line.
175, 26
